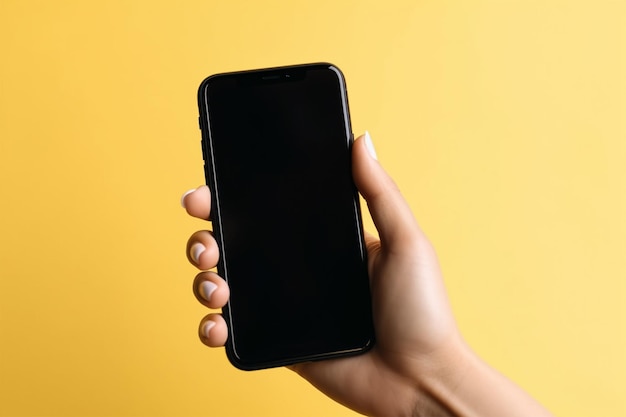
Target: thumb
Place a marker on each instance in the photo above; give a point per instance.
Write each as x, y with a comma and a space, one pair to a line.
392, 216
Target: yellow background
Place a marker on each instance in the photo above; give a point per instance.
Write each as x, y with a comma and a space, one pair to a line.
504, 123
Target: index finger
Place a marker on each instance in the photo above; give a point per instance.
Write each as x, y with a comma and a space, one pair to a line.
198, 202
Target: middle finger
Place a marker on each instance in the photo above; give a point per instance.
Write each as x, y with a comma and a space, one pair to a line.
202, 250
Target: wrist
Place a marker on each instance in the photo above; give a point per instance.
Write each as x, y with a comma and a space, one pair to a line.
441, 377
459, 383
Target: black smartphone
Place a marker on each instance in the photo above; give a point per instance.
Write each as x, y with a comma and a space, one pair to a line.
286, 216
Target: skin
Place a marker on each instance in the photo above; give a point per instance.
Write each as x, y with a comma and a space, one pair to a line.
420, 364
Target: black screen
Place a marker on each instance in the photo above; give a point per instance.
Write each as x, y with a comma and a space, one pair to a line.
286, 214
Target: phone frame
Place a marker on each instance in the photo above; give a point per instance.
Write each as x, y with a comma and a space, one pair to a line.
272, 74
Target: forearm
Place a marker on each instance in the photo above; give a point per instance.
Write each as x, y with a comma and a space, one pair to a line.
470, 387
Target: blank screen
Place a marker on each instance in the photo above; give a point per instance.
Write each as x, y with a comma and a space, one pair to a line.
286, 215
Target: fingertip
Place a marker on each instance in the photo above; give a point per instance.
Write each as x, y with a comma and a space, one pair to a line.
196, 250
197, 202
369, 175
206, 290
206, 327
202, 250
364, 146
212, 330
390, 211
182, 199
369, 145
211, 290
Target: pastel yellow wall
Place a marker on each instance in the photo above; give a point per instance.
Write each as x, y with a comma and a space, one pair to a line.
504, 122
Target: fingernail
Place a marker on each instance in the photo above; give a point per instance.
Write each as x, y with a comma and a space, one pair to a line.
182, 199
196, 251
206, 289
369, 145
206, 328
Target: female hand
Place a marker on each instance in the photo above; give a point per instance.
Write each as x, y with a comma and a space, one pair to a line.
420, 364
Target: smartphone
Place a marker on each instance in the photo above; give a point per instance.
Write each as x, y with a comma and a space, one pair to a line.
286, 215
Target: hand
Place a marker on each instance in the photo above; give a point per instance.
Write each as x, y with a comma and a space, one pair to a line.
419, 359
